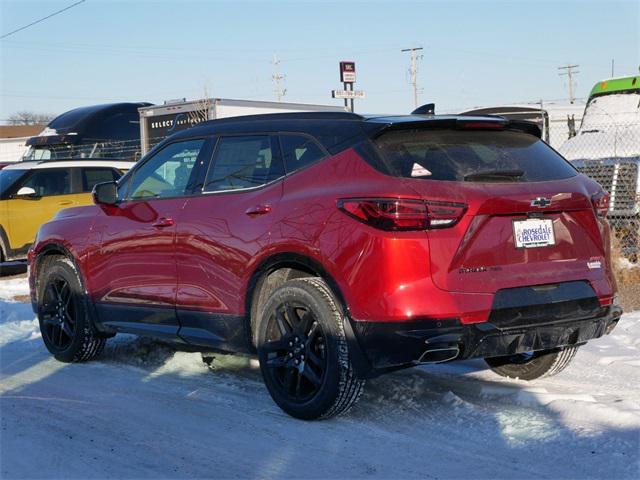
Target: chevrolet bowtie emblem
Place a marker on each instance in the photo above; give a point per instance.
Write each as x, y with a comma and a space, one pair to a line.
540, 202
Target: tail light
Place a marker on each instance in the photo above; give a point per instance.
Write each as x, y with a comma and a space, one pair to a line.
401, 214
600, 203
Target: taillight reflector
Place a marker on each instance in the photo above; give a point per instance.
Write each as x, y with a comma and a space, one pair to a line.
600, 203
401, 214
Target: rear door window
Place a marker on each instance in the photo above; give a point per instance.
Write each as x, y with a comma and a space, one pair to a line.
469, 155
243, 162
92, 176
299, 151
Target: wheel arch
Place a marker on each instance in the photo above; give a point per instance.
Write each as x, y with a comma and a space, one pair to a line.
275, 270
55, 248
295, 265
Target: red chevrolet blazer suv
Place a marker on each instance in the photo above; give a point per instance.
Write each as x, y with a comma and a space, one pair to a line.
337, 247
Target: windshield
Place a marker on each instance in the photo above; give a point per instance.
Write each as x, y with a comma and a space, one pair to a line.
469, 155
8, 177
608, 112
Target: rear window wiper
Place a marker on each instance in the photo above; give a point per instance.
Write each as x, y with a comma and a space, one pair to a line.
494, 174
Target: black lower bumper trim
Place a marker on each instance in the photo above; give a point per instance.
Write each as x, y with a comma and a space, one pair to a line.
390, 345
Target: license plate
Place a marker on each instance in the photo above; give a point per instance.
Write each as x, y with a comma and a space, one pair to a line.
532, 233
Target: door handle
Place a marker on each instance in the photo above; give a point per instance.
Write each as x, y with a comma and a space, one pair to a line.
61, 204
163, 222
258, 210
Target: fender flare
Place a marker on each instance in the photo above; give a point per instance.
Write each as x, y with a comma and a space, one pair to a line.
360, 362
60, 249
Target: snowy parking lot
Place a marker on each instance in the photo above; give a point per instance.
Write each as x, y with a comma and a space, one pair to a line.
145, 410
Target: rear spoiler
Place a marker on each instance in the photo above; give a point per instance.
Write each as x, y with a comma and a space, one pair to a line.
459, 122
525, 126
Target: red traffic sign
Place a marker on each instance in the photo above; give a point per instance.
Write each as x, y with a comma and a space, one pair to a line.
348, 72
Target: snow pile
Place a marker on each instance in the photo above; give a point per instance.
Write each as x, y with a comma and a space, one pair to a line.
610, 129
146, 409
20, 330
17, 319
13, 287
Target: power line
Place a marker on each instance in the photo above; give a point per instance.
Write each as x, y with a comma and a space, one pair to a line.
413, 71
41, 20
569, 73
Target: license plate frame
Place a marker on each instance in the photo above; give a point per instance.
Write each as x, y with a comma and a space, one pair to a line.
533, 233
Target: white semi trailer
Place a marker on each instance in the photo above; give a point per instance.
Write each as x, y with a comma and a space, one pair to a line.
159, 121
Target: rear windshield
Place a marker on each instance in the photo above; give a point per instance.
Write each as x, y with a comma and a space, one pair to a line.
469, 155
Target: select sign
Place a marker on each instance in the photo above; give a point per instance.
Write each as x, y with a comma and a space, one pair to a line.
347, 93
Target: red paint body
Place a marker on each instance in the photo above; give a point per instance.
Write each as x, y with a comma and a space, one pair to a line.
205, 258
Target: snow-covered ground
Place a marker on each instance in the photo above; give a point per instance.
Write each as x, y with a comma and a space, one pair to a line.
146, 410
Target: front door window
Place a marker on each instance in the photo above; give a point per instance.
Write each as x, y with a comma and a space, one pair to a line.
167, 174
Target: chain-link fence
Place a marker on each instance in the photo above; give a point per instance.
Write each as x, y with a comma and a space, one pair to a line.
609, 152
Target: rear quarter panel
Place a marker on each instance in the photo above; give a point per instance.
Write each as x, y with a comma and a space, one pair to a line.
383, 276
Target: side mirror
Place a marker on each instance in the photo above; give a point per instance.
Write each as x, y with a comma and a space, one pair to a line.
105, 193
27, 192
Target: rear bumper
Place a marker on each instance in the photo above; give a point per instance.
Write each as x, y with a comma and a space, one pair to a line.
386, 346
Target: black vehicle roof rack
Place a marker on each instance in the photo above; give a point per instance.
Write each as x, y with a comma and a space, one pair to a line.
287, 116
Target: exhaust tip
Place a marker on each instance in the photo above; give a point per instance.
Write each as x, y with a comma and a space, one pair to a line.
611, 326
440, 355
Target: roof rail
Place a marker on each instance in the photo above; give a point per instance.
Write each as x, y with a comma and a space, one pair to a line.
288, 116
74, 159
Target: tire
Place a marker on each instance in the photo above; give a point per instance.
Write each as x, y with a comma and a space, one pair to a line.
2, 249
312, 377
534, 365
63, 312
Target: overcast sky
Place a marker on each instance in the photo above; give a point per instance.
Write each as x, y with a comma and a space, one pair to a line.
475, 53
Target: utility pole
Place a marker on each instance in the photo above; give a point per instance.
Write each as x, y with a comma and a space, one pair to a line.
613, 64
413, 71
276, 79
569, 73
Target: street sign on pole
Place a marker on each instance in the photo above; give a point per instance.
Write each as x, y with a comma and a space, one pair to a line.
348, 72
348, 78
347, 94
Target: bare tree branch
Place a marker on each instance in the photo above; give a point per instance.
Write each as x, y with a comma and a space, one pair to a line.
30, 118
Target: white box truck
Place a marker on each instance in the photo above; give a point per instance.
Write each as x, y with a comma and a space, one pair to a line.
159, 121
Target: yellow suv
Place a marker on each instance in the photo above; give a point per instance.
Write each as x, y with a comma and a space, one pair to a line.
31, 193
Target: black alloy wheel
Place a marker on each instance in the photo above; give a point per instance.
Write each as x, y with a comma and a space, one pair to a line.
296, 356
303, 351
59, 313
63, 311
